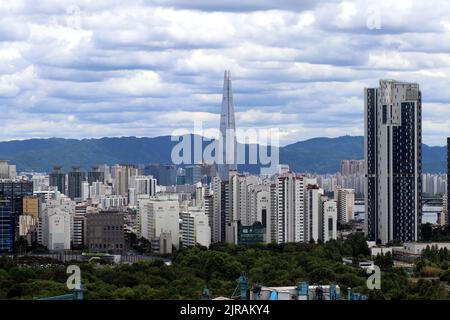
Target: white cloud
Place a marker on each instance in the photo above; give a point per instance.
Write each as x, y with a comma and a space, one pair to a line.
145, 67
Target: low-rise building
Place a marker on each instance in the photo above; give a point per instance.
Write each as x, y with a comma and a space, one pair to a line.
105, 231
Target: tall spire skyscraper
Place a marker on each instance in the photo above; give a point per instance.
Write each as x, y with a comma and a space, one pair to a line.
227, 139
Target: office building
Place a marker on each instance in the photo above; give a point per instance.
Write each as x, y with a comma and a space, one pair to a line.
75, 179
56, 218
57, 178
328, 219
165, 174
393, 154
6, 227
105, 232
160, 214
193, 174
14, 191
96, 175
228, 144
251, 235
195, 227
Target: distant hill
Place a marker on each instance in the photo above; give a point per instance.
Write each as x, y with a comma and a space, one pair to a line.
319, 155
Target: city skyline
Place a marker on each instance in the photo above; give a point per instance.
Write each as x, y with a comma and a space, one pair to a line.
143, 68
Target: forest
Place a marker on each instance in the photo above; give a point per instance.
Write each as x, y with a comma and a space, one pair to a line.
219, 267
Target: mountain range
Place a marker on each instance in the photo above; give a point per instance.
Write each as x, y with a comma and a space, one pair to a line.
316, 155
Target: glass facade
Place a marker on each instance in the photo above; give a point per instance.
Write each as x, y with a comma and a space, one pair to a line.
6, 228
250, 235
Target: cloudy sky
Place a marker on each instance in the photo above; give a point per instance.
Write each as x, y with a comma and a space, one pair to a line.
79, 69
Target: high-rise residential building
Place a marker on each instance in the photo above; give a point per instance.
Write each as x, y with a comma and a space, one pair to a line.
208, 206
260, 209
313, 208
291, 218
105, 232
96, 175
345, 167
200, 193
448, 182
352, 167
221, 212
75, 179
7, 171
345, 203
121, 175
393, 157
443, 216
357, 167
106, 172
195, 227
141, 185
85, 195
227, 140
328, 219
165, 174
57, 178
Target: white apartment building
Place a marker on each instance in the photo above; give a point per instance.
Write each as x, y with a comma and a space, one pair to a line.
160, 214
291, 221
56, 217
328, 221
345, 201
195, 227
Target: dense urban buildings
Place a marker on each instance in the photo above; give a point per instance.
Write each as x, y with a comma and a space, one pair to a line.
393, 158
352, 167
165, 174
96, 209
